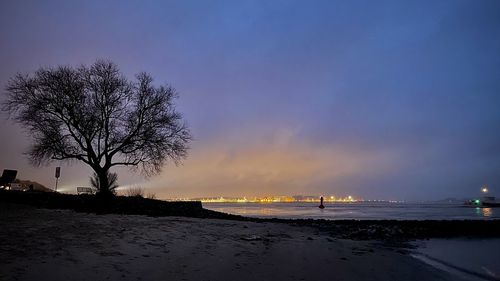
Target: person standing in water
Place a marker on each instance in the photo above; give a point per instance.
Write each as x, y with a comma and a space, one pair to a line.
321, 206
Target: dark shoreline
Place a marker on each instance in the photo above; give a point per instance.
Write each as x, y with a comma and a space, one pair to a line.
394, 230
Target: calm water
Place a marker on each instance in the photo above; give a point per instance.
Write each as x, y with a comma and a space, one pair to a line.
470, 259
362, 211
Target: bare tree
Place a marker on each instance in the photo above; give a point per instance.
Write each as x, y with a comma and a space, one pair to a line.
97, 116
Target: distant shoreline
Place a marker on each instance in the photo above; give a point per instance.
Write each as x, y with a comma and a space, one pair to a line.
401, 230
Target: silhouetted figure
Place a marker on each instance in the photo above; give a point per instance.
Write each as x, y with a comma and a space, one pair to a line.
31, 187
321, 206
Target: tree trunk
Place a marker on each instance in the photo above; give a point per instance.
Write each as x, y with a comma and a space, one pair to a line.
103, 182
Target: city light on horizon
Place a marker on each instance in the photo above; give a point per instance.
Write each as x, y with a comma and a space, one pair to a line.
273, 199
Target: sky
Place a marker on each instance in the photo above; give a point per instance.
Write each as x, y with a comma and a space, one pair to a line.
394, 100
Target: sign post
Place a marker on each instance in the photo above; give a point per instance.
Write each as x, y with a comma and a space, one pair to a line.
58, 174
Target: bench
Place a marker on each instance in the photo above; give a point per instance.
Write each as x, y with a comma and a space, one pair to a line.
85, 190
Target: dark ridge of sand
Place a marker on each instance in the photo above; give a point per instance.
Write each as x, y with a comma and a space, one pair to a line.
105, 205
44, 244
388, 230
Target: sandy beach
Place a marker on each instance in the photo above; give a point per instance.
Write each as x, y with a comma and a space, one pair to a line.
42, 244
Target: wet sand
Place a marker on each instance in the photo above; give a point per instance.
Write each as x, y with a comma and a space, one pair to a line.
42, 244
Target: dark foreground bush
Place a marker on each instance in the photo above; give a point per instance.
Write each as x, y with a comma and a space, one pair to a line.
109, 205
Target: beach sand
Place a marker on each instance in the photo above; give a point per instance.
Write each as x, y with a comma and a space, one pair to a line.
43, 244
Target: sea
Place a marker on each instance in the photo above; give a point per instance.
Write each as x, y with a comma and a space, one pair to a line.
359, 211
465, 259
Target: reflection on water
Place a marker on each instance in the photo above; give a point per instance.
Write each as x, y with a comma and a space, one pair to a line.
487, 212
360, 210
266, 211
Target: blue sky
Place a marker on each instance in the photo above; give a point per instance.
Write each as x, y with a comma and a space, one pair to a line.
385, 99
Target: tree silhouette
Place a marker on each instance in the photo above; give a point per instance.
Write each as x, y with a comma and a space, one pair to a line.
97, 116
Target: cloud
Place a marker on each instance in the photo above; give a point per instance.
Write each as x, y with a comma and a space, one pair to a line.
276, 165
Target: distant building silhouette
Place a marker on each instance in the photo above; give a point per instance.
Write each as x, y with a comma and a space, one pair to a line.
8, 176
